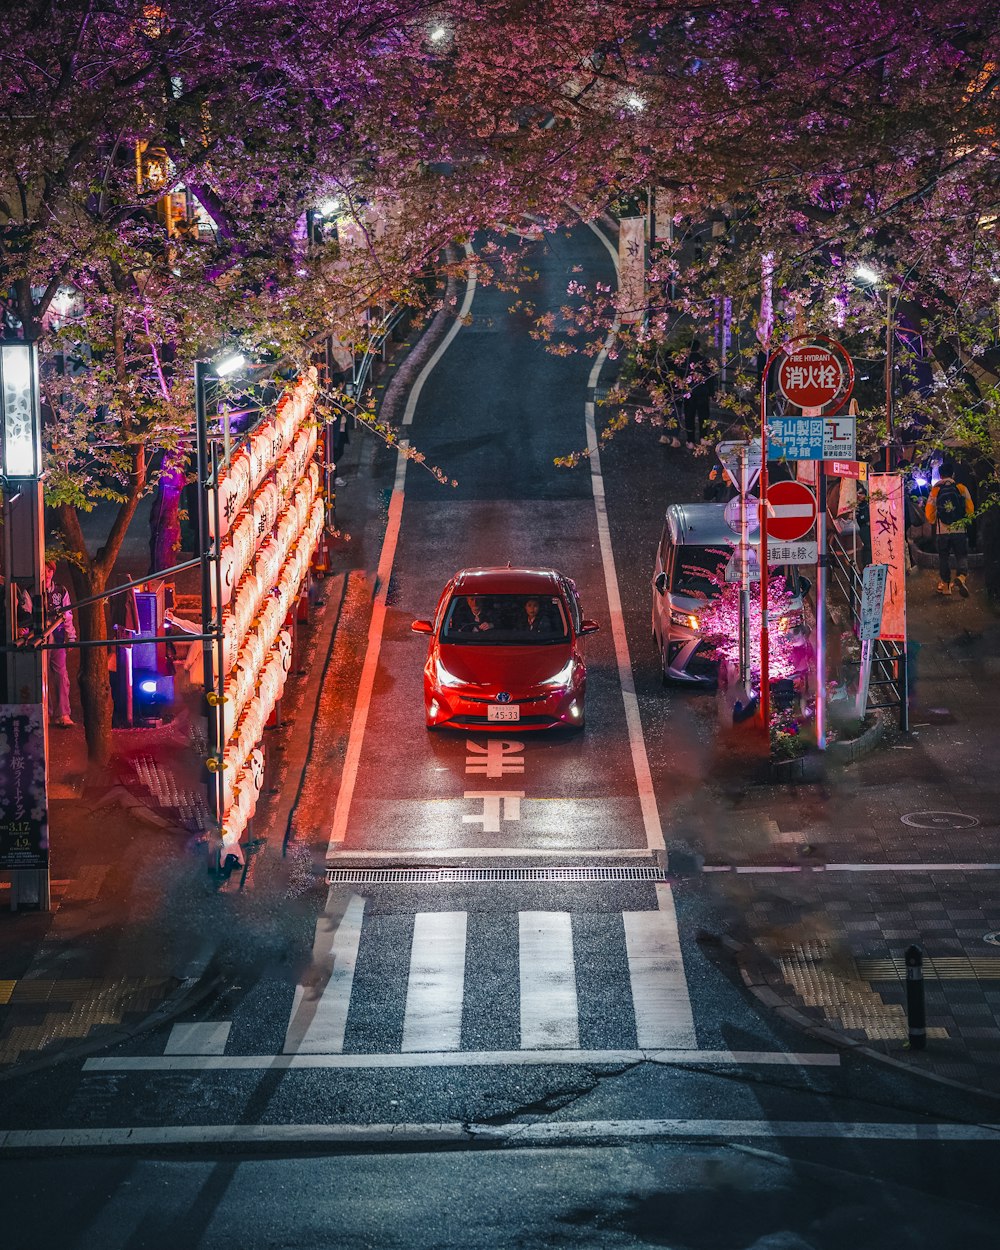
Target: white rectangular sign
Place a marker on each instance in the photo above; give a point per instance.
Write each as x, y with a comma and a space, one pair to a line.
872, 598
802, 551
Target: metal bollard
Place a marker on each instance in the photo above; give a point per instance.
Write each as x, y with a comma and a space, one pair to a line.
916, 1014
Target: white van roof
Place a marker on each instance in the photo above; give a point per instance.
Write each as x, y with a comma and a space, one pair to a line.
699, 525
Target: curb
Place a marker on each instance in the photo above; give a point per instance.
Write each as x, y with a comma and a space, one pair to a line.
749, 965
202, 980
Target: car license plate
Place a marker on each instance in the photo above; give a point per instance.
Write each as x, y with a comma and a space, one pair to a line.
501, 713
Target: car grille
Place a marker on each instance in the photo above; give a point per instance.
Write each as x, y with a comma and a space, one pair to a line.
534, 698
462, 719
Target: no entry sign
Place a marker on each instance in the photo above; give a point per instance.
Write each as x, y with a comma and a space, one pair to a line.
791, 511
814, 377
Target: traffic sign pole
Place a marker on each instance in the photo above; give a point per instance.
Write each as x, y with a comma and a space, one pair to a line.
765, 658
820, 598
744, 578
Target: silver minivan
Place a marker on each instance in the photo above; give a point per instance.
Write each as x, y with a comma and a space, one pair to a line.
695, 547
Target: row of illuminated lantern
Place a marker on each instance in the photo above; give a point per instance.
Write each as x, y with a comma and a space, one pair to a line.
262, 681
268, 562
267, 516
274, 606
264, 452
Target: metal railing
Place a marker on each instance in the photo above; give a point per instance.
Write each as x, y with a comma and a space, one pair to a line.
888, 687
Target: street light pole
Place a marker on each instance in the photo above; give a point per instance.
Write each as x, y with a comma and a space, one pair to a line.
889, 336
208, 626
24, 741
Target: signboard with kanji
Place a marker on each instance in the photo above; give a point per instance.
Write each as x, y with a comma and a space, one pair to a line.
24, 821
872, 597
812, 376
810, 438
857, 469
632, 269
887, 514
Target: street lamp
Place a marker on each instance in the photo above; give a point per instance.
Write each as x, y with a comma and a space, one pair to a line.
206, 371
869, 277
21, 445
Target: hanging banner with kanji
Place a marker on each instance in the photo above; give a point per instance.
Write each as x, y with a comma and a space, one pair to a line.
888, 523
24, 820
632, 269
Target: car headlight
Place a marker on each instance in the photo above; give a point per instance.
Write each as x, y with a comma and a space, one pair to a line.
447, 680
561, 679
683, 618
789, 621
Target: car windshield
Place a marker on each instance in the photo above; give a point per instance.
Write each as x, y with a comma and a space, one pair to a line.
520, 620
699, 571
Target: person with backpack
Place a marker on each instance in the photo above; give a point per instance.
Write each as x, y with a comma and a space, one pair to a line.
949, 509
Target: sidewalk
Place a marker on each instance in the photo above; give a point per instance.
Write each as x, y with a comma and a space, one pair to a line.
819, 936
140, 929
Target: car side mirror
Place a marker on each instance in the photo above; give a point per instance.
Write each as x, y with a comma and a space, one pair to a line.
422, 627
588, 627
660, 582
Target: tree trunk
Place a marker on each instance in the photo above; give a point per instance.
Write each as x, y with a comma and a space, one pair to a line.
95, 690
164, 520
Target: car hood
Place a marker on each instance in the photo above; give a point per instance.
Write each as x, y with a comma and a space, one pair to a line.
504, 668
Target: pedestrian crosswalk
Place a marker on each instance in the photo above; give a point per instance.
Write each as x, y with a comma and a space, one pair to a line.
416, 982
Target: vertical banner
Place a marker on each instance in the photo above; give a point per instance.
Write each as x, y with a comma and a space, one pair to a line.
663, 212
24, 821
888, 524
632, 269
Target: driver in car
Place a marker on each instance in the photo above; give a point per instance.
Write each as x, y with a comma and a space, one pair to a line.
471, 616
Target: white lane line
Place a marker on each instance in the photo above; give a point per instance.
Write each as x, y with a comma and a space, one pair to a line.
637, 743
540, 1133
318, 1024
660, 998
453, 329
204, 1038
369, 669
930, 867
441, 853
464, 1059
433, 1017
548, 981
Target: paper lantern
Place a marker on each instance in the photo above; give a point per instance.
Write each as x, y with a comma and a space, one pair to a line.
234, 490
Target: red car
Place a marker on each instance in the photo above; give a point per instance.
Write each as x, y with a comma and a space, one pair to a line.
505, 651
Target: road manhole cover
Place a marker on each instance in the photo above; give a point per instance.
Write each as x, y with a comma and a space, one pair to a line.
940, 820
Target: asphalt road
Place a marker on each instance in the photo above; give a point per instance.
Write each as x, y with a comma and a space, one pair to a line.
509, 1056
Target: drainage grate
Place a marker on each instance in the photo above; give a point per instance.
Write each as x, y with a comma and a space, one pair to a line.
431, 876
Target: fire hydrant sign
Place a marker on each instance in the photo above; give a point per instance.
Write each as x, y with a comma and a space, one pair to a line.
811, 376
810, 438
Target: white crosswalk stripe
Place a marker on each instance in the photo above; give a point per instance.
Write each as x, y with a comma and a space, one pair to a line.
549, 1015
433, 1019
549, 984
663, 1016
319, 1010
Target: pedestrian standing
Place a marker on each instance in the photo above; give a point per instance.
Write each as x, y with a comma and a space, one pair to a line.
701, 388
57, 605
949, 510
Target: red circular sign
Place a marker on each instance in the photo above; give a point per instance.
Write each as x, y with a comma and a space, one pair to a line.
791, 511
812, 376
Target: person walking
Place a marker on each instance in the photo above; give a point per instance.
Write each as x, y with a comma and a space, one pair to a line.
949, 509
57, 601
